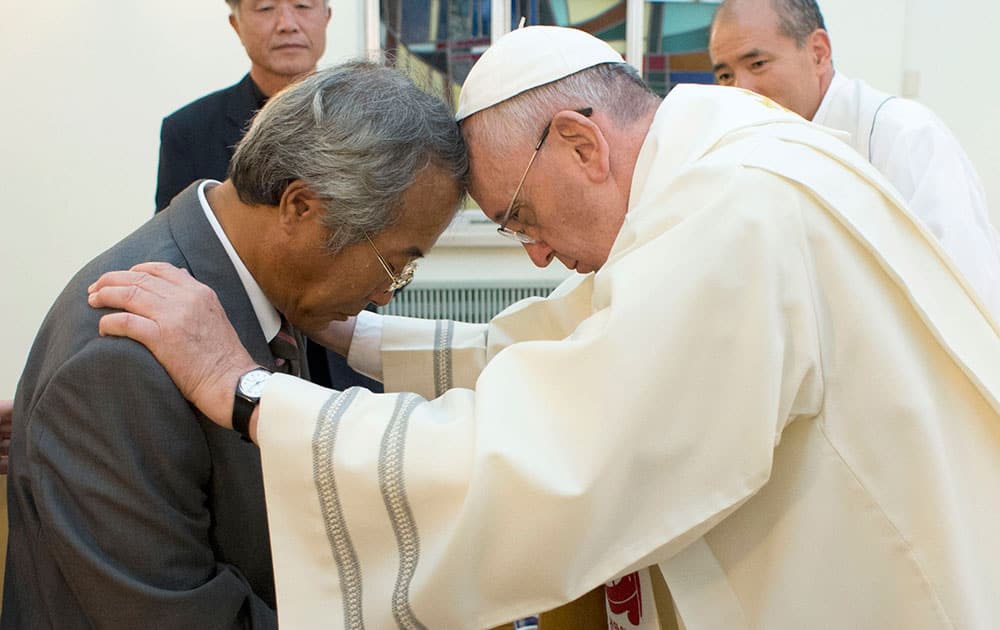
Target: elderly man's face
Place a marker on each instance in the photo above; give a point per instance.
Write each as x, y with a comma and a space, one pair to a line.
311, 286
570, 215
749, 51
284, 38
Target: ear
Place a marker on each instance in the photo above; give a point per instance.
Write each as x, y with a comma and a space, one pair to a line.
234, 23
819, 46
329, 14
299, 205
586, 140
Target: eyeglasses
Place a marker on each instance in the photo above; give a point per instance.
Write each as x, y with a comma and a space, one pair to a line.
509, 214
404, 278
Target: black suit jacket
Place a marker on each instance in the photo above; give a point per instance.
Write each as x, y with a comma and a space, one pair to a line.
197, 142
127, 508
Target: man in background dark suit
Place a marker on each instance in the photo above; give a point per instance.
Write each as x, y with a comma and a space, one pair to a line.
127, 508
284, 39
197, 141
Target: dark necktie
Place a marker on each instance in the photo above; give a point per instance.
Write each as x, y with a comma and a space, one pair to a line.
285, 349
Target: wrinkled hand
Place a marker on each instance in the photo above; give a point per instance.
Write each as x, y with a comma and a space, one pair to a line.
6, 426
180, 321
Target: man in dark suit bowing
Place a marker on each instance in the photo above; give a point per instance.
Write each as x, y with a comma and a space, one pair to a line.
283, 39
127, 508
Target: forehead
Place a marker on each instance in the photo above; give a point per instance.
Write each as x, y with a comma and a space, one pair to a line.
746, 26
428, 205
494, 173
252, 3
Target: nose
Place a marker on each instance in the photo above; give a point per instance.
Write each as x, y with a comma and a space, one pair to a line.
539, 253
380, 297
286, 18
744, 80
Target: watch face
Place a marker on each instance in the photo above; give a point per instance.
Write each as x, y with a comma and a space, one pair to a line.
252, 382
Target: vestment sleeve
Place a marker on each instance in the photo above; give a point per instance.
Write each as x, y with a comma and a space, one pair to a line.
119, 468
924, 161
628, 415
430, 357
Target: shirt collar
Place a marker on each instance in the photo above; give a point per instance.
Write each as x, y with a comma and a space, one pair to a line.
267, 315
824, 106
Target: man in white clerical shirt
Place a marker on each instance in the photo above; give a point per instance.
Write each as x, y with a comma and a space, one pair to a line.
767, 388
781, 49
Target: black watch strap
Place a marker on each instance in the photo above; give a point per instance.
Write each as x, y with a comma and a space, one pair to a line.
242, 410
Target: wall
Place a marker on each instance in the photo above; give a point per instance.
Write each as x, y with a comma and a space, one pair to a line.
86, 84
931, 51
945, 48
856, 28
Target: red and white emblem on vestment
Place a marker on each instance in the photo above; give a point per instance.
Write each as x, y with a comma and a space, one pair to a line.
625, 597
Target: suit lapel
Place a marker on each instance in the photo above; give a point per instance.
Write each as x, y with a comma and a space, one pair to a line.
208, 262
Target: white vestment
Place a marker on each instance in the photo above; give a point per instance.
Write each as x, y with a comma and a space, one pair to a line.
917, 153
777, 392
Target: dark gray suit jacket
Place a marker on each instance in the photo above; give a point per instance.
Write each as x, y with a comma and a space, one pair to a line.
127, 508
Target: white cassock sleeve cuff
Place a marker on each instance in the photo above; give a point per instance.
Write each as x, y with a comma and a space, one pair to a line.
365, 355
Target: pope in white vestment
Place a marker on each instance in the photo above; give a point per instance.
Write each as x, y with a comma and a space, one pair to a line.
918, 154
777, 392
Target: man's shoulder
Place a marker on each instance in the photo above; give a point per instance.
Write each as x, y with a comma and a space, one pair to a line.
908, 115
155, 240
901, 112
207, 108
151, 241
71, 324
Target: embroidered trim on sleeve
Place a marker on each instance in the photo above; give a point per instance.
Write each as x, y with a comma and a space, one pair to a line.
390, 474
344, 554
444, 332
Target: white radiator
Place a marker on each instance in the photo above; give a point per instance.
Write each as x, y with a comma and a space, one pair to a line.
461, 302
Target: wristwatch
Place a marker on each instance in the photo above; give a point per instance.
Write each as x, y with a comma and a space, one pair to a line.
248, 390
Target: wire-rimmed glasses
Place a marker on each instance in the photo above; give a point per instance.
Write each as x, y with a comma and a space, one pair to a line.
509, 214
405, 276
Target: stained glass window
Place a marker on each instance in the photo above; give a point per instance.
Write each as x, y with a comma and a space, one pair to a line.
437, 41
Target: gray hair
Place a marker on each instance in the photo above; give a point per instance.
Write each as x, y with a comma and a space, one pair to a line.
615, 89
797, 19
358, 135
